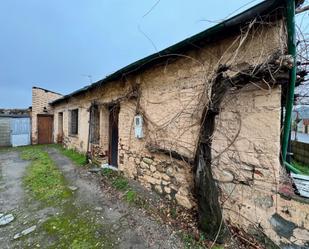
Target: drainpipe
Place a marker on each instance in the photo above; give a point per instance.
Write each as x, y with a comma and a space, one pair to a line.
290, 18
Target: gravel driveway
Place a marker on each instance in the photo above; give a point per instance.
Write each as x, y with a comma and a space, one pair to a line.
125, 226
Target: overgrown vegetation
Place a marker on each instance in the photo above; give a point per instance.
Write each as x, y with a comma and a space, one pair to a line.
131, 196
303, 168
43, 178
78, 158
120, 183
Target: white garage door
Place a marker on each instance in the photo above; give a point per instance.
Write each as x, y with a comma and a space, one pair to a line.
20, 131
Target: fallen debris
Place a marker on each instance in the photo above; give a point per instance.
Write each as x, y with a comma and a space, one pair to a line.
107, 166
302, 184
73, 188
24, 232
94, 170
6, 219
98, 209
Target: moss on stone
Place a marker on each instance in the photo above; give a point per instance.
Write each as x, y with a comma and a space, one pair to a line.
76, 229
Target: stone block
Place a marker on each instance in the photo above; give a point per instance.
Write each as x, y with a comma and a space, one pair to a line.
147, 160
152, 168
144, 165
158, 188
167, 190
165, 177
165, 182
157, 175
170, 171
151, 180
183, 201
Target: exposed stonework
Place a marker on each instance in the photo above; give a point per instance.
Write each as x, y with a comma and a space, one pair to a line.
154, 172
40, 105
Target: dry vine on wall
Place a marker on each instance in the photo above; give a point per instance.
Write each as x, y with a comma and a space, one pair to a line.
224, 74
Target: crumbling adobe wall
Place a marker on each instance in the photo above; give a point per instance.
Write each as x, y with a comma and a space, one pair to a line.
40, 100
79, 141
171, 97
245, 161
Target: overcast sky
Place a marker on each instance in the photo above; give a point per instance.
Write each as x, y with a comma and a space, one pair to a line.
55, 44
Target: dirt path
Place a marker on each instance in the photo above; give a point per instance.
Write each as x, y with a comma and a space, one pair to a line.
125, 226
15, 200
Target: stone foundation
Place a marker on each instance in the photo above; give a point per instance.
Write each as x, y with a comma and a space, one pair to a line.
169, 177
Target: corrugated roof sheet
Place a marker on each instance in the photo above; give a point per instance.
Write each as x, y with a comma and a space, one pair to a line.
302, 184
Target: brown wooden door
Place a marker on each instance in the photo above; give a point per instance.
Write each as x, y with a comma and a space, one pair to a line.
45, 129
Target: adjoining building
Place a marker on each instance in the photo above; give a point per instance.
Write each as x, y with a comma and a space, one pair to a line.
211, 101
15, 127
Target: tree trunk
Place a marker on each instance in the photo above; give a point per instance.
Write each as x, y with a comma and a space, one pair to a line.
210, 214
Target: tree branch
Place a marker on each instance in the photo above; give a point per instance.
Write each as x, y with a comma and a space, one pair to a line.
301, 10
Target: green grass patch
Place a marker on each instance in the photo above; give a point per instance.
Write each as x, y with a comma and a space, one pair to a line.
108, 172
131, 196
43, 178
73, 230
120, 183
116, 179
304, 169
77, 157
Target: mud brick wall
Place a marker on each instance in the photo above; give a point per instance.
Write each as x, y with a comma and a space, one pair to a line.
171, 96
246, 142
245, 160
171, 99
40, 99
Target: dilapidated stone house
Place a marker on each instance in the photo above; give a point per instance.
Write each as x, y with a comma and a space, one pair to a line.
214, 99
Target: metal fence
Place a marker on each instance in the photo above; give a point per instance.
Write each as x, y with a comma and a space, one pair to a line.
300, 152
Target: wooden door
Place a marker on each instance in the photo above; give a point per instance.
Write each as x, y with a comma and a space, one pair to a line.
113, 135
45, 129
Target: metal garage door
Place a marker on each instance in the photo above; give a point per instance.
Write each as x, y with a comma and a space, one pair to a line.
20, 128
5, 131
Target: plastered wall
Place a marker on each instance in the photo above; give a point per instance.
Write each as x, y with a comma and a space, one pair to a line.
171, 97
245, 161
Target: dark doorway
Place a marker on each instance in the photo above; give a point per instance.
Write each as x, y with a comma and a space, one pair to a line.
45, 129
306, 129
113, 135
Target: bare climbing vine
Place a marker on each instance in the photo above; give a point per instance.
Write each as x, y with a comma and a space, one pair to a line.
189, 130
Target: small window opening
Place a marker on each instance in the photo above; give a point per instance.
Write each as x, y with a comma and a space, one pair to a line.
74, 122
